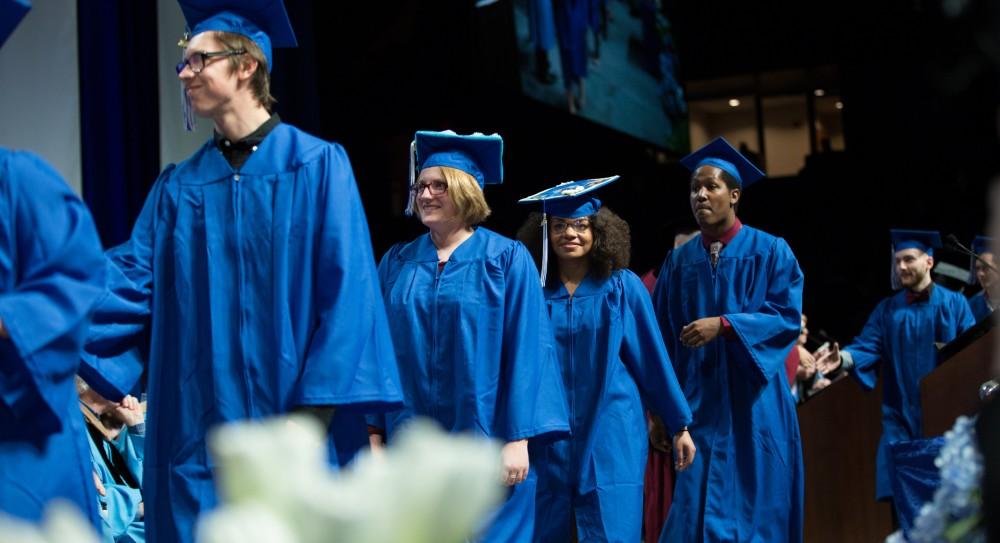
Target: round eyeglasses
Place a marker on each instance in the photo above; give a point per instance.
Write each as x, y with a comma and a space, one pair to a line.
197, 61
580, 227
437, 188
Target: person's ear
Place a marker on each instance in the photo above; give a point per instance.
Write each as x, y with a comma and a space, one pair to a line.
734, 197
247, 67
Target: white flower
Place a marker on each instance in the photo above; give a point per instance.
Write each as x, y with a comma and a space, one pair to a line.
62, 523
276, 487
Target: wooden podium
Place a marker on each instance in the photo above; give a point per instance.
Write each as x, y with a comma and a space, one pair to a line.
952, 389
840, 430
841, 427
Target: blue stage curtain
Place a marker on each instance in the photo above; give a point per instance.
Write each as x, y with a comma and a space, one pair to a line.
914, 476
119, 110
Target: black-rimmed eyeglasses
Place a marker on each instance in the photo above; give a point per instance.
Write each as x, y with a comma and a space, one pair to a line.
437, 188
197, 61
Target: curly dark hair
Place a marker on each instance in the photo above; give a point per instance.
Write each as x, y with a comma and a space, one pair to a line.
612, 243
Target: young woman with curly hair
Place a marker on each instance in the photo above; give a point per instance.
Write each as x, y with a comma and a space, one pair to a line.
613, 362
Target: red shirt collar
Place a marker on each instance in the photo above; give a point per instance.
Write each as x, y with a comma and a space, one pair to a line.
725, 238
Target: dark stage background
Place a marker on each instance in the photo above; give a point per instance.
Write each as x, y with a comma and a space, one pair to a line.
920, 123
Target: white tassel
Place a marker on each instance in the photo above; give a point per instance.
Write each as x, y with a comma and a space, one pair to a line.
412, 201
545, 247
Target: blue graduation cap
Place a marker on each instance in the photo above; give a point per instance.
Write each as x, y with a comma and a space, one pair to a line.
478, 155
722, 155
11, 13
569, 200
572, 199
924, 240
980, 245
265, 22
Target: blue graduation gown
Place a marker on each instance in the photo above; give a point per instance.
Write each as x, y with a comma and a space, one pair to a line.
903, 336
746, 482
50, 277
475, 350
980, 309
243, 295
571, 19
542, 25
121, 501
612, 358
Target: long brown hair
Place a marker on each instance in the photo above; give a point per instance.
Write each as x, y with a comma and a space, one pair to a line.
612, 243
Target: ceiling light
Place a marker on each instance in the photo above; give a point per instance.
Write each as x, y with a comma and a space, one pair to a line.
819, 92
839, 105
733, 102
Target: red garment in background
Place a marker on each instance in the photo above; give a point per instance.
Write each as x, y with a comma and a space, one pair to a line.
658, 487
792, 364
657, 494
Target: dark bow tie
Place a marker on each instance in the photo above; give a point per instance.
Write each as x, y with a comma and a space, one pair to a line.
914, 297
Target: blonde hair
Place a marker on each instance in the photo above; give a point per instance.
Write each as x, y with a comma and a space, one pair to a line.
465, 191
260, 83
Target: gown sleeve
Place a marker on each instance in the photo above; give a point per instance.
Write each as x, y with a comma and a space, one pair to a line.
532, 399
763, 336
350, 361
49, 242
646, 357
117, 345
866, 349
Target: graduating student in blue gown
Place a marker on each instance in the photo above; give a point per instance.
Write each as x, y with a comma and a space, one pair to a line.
248, 287
901, 333
50, 277
982, 303
571, 21
117, 445
613, 364
729, 304
469, 323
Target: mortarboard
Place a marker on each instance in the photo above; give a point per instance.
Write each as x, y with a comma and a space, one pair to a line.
478, 155
11, 13
569, 200
924, 240
722, 155
265, 22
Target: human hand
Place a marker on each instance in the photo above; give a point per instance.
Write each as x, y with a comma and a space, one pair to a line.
700, 332
828, 362
807, 365
377, 444
129, 411
684, 450
514, 459
98, 485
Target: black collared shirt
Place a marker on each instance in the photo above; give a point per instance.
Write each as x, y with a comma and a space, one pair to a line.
237, 152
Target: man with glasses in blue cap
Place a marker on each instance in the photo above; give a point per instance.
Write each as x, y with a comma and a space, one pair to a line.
729, 303
248, 287
51, 274
901, 333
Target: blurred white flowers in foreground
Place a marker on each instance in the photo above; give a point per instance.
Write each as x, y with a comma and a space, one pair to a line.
63, 523
275, 486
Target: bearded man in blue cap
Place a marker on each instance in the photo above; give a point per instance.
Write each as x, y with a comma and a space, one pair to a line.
248, 287
51, 275
729, 303
900, 333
